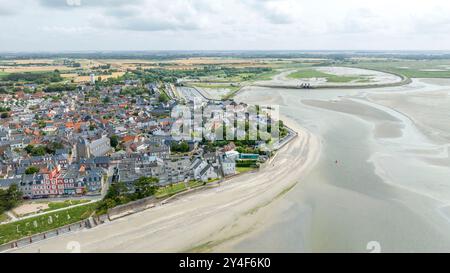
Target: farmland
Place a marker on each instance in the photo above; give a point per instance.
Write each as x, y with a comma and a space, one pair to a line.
410, 68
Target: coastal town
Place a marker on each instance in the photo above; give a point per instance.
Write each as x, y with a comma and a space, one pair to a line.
231, 129
76, 141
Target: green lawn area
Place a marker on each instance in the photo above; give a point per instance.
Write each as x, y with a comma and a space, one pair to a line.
3, 217
313, 73
170, 190
64, 204
245, 169
411, 68
213, 180
179, 187
195, 183
16, 230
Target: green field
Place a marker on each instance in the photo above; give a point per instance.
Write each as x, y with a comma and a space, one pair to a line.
64, 204
2, 74
180, 187
410, 68
245, 169
23, 228
170, 190
3, 217
312, 73
266, 76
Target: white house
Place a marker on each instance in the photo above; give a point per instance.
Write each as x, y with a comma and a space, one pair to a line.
197, 166
207, 173
228, 166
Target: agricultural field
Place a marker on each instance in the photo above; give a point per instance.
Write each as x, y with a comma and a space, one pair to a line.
79, 79
32, 65
410, 68
77, 71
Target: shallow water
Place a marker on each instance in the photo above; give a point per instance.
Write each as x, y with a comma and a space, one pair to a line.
388, 186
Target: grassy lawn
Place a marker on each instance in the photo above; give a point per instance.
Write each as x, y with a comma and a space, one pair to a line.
38, 224
195, 183
312, 73
64, 204
3, 217
170, 190
180, 187
245, 169
213, 180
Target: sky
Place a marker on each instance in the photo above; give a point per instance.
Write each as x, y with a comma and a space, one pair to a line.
83, 25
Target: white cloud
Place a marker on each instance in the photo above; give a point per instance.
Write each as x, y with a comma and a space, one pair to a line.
224, 24
151, 16
279, 11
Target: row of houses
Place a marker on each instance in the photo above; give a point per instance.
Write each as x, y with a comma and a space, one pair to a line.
168, 171
53, 181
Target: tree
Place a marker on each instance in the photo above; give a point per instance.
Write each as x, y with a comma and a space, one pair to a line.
181, 147
163, 98
29, 148
36, 151
107, 100
145, 186
114, 141
10, 198
116, 190
14, 194
53, 146
184, 147
32, 170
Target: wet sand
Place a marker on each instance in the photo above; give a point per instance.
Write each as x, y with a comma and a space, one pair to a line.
369, 77
389, 186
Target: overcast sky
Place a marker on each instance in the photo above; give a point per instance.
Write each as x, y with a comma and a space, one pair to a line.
65, 25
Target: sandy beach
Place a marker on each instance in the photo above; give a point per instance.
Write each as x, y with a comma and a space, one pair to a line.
370, 77
203, 220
